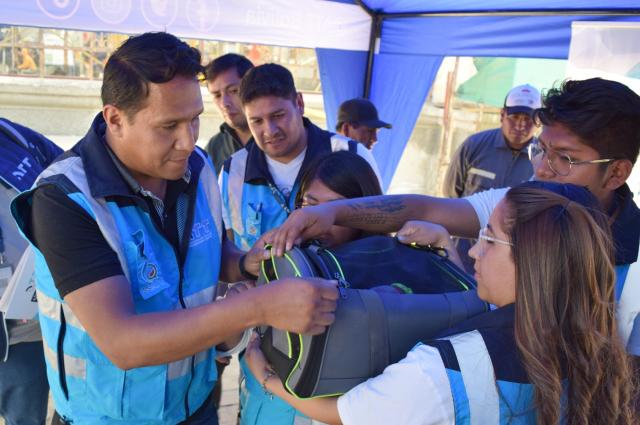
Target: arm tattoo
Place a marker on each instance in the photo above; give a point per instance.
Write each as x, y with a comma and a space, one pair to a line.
376, 212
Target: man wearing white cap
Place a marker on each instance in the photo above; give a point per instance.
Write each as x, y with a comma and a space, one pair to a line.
498, 157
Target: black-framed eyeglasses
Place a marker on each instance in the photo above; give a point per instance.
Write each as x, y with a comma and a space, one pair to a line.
560, 163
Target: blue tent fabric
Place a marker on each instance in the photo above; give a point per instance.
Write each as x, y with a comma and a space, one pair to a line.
342, 77
505, 36
400, 86
411, 6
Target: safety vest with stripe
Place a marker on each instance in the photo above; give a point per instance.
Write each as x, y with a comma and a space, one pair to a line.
251, 206
488, 382
87, 387
628, 309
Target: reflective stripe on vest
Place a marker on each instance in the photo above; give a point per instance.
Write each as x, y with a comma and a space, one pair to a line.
235, 180
629, 302
73, 366
478, 378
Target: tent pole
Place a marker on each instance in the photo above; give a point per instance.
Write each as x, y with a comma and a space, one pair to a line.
517, 12
374, 37
376, 29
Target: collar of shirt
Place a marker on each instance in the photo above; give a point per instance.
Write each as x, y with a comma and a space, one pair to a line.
626, 227
318, 142
229, 131
502, 317
137, 188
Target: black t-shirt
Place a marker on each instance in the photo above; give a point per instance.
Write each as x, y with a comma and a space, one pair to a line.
70, 240
76, 252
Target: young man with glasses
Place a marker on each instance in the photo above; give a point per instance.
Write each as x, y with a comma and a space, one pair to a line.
590, 137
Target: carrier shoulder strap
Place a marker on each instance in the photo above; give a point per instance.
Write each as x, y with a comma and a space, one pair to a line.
378, 331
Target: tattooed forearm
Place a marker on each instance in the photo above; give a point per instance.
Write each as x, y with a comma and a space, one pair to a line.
377, 214
388, 205
388, 213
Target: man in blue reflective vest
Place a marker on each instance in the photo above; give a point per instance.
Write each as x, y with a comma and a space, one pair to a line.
259, 183
129, 247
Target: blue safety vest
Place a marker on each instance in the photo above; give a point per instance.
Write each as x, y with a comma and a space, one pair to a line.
252, 205
628, 305
87, 387
488, 382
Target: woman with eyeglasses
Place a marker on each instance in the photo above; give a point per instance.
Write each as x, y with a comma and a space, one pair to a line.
337, 175
549, 352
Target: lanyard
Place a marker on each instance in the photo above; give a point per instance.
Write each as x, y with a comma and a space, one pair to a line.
282, 200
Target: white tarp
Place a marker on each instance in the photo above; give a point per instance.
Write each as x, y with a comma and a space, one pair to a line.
19, 298
608, 50
293, 23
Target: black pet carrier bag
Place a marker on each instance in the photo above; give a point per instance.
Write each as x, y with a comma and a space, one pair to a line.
372, 328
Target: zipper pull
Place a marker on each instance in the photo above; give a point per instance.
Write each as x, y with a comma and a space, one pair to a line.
343, 292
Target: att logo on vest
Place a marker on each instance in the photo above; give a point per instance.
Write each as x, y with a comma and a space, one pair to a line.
201, 232
21, 169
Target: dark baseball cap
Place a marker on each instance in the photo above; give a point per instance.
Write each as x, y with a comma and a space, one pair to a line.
360, 111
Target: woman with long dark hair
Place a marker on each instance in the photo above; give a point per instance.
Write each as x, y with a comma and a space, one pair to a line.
548, 354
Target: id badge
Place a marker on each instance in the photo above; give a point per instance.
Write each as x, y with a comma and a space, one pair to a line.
254, 221
253, 224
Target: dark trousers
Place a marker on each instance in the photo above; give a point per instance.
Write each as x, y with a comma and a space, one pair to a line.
24, 390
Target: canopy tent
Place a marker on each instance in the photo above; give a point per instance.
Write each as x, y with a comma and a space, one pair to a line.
387, 50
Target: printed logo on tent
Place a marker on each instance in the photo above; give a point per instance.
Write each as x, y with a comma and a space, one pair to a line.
111, 11
267, 14
203, 15
59, 9
159, 13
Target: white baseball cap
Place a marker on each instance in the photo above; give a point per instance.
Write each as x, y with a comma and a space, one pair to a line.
522, 99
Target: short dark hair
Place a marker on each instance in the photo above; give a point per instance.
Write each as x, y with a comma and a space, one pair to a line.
152, 57
604, 114
269, 79
226, 62
344, 172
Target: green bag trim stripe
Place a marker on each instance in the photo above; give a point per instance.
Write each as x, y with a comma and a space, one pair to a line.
273, 264
335, 260
454, 277
293, 265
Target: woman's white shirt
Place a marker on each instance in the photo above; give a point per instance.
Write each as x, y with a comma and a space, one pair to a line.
414, 391
485, 202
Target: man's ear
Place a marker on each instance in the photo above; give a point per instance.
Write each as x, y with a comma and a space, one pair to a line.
344, 129
300, 103
619, 171
114, 118
503, 113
